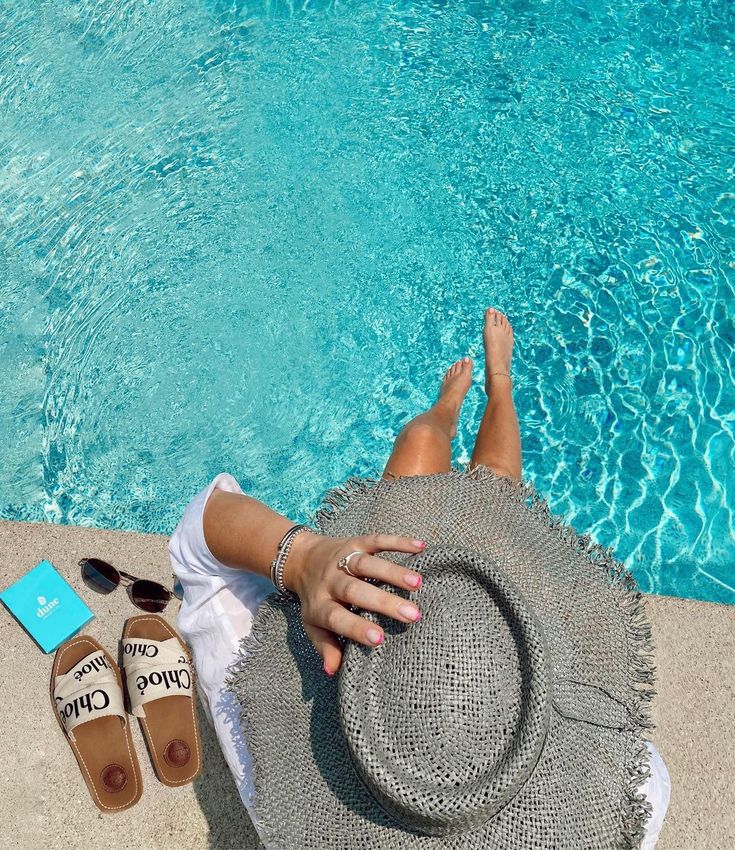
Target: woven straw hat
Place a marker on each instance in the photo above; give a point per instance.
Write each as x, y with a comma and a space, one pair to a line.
510, 716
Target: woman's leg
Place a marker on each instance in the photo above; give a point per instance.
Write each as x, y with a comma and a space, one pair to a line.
498, 443
424, 445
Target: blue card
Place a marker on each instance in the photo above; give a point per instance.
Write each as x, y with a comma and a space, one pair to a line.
47, 607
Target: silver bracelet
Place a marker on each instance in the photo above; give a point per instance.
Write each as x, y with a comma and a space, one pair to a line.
279, 562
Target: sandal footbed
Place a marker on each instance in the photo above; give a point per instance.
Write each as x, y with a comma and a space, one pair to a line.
101, 742
170, 718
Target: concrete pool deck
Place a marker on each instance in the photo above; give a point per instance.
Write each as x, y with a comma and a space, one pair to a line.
44, 802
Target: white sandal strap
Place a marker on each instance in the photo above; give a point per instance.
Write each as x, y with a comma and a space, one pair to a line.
155, 669
88, 691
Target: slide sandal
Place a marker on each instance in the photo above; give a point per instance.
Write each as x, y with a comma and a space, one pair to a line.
160, 689
87, 696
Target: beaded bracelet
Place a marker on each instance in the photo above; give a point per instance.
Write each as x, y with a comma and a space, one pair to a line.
279, 562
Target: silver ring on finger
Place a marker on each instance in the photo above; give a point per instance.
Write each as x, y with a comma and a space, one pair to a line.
344, 563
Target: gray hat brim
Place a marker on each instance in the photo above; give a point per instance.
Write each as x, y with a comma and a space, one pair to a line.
584, 792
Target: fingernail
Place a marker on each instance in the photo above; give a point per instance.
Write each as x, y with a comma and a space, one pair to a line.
328, 671
374, 636
406, 610
421, 543
414, 580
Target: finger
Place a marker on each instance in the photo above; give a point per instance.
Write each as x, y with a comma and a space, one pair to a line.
359, 593
389, 543
338, 619
368, 566
328, 647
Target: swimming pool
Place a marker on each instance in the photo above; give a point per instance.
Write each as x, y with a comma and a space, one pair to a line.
251, 238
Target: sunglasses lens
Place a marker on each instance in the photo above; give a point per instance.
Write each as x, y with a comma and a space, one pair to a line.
178, 589
99, 575
149, 595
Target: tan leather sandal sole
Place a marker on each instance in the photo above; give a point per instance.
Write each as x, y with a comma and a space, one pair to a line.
103, 745
169, 723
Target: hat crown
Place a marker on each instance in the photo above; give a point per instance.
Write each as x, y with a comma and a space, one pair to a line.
446, 719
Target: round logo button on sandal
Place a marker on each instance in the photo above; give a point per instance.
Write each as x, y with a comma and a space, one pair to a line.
114, 778
177, 753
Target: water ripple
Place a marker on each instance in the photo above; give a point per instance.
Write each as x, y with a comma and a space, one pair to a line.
252, 237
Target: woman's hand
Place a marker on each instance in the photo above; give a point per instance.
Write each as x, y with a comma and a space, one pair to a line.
326, 592
241, 532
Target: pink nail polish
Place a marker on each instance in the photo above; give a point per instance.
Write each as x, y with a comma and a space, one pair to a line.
409, 611
374, 636
414, 581
421, 543
329, 673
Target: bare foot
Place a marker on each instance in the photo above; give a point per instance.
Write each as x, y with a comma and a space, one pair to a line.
455, 383
498, 339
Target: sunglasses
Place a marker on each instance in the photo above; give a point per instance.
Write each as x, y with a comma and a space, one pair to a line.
146, 595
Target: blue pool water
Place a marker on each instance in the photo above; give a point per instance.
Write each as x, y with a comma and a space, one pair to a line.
251, 238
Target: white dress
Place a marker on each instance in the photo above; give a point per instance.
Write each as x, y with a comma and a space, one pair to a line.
217, 612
